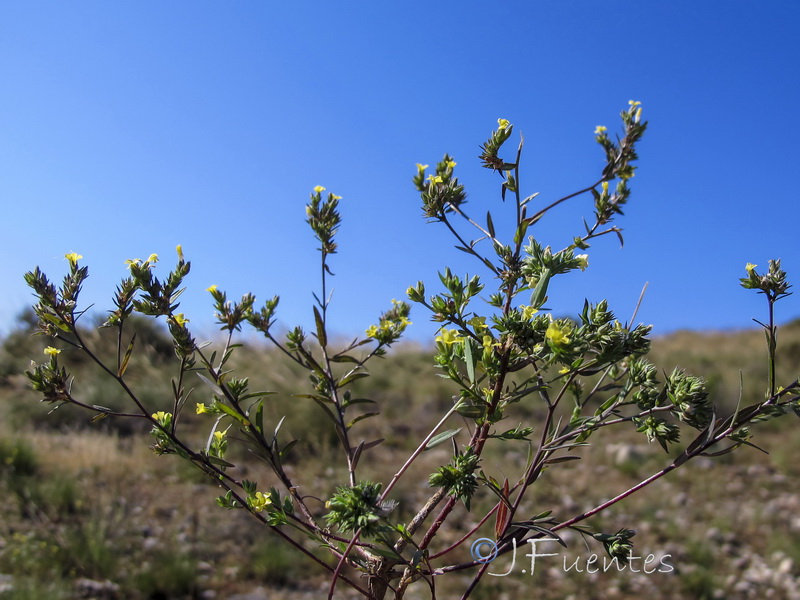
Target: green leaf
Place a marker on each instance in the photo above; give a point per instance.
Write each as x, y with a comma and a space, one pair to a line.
471, 411
232, 413
285, 450
213, 386
126, 359
215, 460
322, 337
441, 437
360, 418
490, 224
352, 376
468, 360
344, 358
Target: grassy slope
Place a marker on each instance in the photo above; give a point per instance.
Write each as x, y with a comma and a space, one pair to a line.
94, 503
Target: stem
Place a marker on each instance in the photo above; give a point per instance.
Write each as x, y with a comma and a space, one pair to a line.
772, 343
552, 205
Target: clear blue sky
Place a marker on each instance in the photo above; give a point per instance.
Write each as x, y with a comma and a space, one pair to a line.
127, 128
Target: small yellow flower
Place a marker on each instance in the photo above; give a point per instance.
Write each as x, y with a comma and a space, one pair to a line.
749, 267
163, 418
201, 408
152, 259
557, 335
179, 250
50, 351
563, 370
488, 342
583, 261
479, 323
335, 197
180, 319
73, 257
449, 337
528, 311
634, 103
421, 167
435, 178
600, 129
212, 288
638, 116
503, 123
220, 435
259, 501
372, 331
604, 185
318, 189
133, 261
451, 164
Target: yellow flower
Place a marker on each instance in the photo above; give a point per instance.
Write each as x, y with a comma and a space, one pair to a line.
451, 164
318, 189
600, 129
638, 116
259, 501
634, 103
73, 257
133, 261
449, 337
749, 267
50, 351
153, 258
502, 123
435, 178
563, 370
180, 319
583, 261
488, 342
557, 335
220, 435
335, 197
212, 288
201, 408
179, 250
479, 323
162, 418
604, 185
528, 311
421, 168
372, 331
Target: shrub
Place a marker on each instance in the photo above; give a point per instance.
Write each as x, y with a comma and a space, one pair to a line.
508, 359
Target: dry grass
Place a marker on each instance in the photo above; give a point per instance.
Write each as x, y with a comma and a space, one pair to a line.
100, 505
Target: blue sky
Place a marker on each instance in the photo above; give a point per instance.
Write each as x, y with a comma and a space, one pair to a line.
127, 128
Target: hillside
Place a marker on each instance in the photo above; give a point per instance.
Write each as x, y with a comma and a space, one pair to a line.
92, 513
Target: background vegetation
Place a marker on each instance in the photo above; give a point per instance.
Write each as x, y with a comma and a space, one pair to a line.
90, 512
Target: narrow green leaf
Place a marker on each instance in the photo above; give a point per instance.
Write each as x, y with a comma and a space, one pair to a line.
352, 376
441, 437
490, 224
361, 418
471, 411
260, 417
285, 450
213, 386
344, 358
220, 462
468, 360
126, 359
322, 337
232, 413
